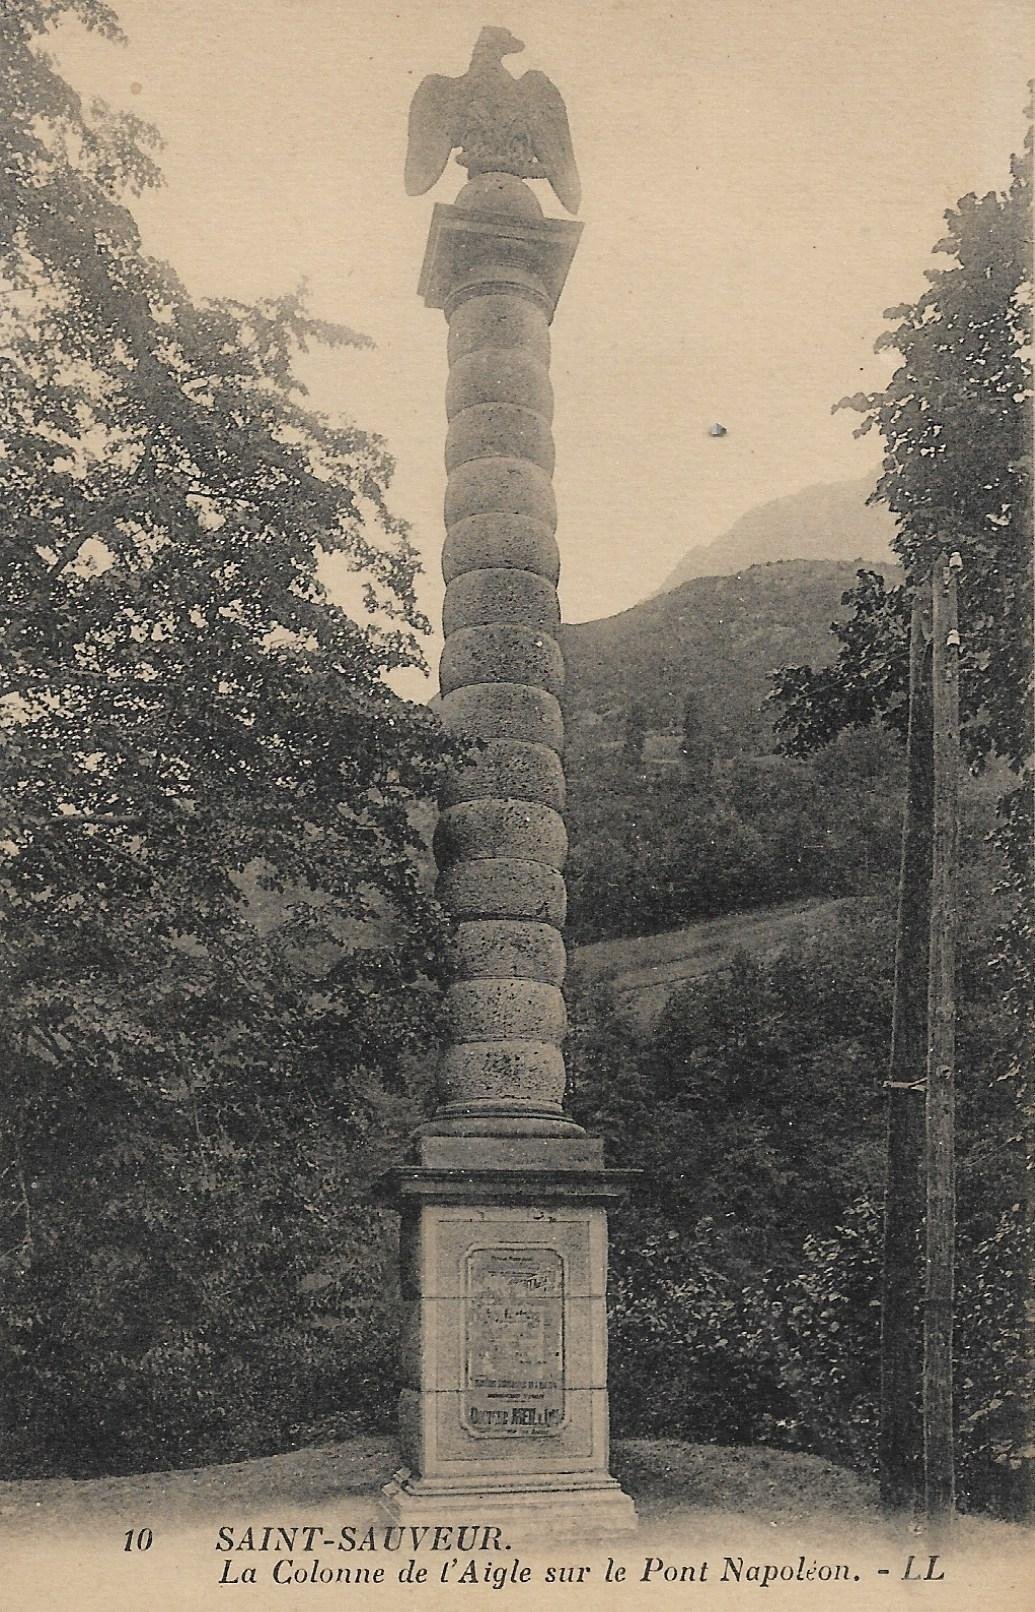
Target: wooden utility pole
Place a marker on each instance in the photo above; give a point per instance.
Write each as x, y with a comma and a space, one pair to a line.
900, 1447
939, 1476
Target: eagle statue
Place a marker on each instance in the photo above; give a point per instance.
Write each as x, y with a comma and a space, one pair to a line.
496, 123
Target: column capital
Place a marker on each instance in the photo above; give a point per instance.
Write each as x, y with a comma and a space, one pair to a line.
529, 257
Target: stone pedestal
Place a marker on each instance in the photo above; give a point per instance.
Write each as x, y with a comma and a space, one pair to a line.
503, 1414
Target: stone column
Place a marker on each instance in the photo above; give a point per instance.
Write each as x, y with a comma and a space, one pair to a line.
503, 1411
495, 266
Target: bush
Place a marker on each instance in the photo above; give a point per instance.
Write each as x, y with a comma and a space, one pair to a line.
746, 1264
676, 1342
819, 1330
234, 1301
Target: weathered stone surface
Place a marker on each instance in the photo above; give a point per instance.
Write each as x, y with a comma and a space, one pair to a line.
501, 652
496, 948
503, 1411
497, 540
508, 769
517, 828
530, 1071
518, 1154
553, 1266
585, 1255
507, 485
499, 375
485, 273
505, 1010
499, 193
499, 428
492, 120
504, 711
503, 887
415, 1428
501, 594
499, 320
411, 1314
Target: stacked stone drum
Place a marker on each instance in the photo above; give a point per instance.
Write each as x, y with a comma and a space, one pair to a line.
500, 841
503, 1406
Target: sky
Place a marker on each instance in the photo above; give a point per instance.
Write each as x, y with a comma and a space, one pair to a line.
761, 178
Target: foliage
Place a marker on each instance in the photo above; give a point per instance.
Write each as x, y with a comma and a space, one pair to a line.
679, 844
820, 1331
956, 423
866, 683
715, 1107
676, 1321
996, 1374
191, 728
710, 820
192, 1301
694, 748
745, 1282
717, 637
956, 419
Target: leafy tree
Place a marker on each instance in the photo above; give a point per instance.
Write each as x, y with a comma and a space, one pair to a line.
811, 1349
745, 1296
956, 421
190, 728
717, 1103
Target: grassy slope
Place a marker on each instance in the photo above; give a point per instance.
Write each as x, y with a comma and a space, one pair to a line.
645, 969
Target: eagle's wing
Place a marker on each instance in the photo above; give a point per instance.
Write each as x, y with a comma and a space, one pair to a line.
551, 137
431, 131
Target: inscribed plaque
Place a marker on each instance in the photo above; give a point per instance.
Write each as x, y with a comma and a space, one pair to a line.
513, 1341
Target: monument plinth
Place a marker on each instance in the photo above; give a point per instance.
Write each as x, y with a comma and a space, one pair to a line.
503, 1410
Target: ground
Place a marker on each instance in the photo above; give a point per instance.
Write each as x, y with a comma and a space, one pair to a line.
665, 1476
753, 1515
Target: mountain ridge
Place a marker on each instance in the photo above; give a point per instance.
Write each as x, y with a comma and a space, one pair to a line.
826, 521
718, 637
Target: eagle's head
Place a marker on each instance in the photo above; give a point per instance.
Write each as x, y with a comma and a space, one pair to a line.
498, 42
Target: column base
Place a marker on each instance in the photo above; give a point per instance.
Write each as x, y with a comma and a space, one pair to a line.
560, 1506
503, 1409
499, 1119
